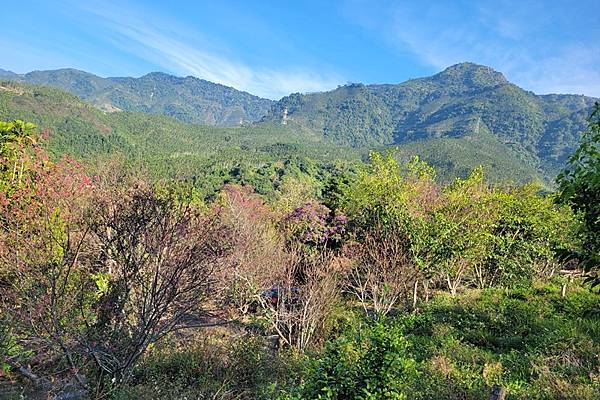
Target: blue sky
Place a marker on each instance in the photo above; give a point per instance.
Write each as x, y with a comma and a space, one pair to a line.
273, 48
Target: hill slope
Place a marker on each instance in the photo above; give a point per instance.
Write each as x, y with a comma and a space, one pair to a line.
188, 99
467, 102
464, 116
169, 148
464, 101
207, 156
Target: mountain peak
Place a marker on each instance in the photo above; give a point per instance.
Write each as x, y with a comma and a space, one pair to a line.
61, 71
160, 76
471, 74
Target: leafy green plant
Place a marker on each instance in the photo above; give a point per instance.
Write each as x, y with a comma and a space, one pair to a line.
531, 341
371, 362
580, 188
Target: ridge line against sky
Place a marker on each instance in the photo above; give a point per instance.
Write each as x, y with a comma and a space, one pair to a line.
271, 49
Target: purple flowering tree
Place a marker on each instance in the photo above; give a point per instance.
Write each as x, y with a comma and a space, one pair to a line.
315, 225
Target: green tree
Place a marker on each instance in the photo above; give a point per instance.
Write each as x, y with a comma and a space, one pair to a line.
529, 231
15, 137
580, 188
462, 228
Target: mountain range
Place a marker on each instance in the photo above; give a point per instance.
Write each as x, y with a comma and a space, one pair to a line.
188, 99
466, 101
466, 115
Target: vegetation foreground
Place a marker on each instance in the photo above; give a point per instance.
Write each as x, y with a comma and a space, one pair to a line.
374, 282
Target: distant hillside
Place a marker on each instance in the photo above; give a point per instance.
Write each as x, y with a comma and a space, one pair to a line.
169, 148
4, 74
465, 101
207, 156
188, 99
464, 116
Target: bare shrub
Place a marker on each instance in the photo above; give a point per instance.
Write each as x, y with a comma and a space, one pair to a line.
102, 289
382, 275
159, 257
303, 298
258, 251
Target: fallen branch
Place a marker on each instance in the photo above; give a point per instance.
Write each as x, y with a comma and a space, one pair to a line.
38, 382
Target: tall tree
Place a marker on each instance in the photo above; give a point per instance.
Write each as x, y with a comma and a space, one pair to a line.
580, 188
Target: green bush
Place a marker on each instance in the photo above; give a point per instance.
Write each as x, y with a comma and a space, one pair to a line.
367, 363
532, 341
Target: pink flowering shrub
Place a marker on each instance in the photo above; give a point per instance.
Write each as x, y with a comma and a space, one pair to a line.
315, 224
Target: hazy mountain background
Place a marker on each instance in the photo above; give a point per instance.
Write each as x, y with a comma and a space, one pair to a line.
188, 99
464, 116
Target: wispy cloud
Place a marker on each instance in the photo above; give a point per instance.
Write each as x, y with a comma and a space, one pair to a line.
184, 51
544, 48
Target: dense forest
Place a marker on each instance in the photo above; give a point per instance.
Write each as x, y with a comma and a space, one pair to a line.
463, 104
465, 116
205, 156
300, 270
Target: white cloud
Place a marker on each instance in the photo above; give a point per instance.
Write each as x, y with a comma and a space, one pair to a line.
519, 41
183, 51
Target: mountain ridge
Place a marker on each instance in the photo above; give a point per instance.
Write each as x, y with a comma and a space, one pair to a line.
464, 100
188, 99
169, 148
450, 111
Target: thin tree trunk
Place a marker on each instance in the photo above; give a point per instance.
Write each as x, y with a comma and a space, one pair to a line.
414, 304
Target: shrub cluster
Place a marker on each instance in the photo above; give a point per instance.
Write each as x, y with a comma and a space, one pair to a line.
101, 275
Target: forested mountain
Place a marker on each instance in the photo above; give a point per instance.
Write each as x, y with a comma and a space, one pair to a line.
208, 156
171, 148
466, 101
465, 116
188, 99
8, 74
